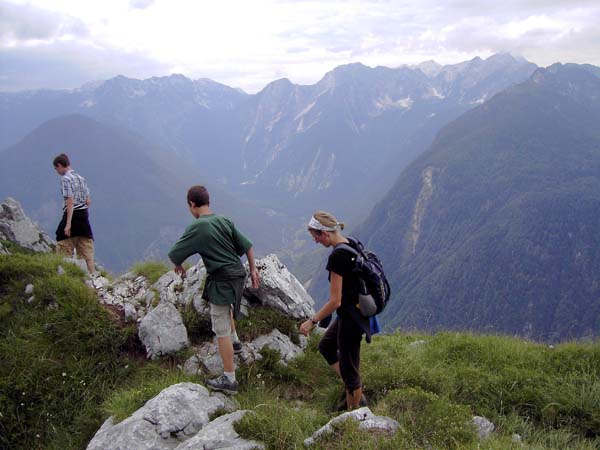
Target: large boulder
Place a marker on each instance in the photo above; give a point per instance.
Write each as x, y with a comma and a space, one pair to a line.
219, 434
367, 422
162, 331
164, 422
280, 290
16, 227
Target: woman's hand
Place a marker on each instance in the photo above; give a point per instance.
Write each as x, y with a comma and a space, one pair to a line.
306, 327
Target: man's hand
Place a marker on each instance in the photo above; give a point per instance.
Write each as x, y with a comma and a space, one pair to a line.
68, 230
180, 270
254, 275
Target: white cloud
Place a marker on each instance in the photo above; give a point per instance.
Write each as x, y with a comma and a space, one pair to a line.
248, 44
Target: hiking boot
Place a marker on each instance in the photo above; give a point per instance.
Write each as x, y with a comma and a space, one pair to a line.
222, 384
237, 347
343, 406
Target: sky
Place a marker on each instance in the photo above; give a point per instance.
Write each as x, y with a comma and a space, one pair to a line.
247, 44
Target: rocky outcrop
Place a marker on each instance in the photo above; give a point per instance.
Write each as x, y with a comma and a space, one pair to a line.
280, 290
170, 421
367, 422
138, 299
207, 359
16, 227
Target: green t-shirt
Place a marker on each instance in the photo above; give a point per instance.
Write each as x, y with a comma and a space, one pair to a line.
215, 238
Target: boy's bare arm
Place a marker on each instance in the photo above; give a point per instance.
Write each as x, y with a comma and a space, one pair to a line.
254, 275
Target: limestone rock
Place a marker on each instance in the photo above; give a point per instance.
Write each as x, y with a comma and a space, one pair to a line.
276, 340
280, 290
162, 331
16, 227
368, 421
416, 344
3, 250
172, 417
484, 427
219, 434
207, 359
29, 289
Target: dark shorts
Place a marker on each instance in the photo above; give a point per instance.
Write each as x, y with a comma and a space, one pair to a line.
341, 342
80, 226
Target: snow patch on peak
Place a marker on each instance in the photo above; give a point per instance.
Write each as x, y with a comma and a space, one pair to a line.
432, 92
480, 100
384, 103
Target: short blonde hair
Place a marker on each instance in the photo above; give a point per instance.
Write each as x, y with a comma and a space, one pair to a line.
327, 219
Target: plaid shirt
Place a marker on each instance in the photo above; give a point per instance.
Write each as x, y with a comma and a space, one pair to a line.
73, 185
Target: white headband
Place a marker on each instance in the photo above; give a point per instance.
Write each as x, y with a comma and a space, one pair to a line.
316, 225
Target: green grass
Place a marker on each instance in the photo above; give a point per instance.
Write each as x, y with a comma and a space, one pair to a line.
67, 366
152, 270
60, 354
548, 396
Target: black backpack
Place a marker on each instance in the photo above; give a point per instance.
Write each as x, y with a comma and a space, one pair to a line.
374, 287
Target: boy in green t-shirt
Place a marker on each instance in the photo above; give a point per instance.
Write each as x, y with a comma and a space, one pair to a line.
220, 244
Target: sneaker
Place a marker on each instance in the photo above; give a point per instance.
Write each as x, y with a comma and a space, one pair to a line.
237, 347
223, 384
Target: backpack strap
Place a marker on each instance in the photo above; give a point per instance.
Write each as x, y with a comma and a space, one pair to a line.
347, 247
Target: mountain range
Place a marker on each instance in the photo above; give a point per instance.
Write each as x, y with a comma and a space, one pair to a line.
331, 143
338, 144
496, 226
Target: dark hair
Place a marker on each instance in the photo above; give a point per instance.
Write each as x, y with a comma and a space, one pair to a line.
61, 159
199, 195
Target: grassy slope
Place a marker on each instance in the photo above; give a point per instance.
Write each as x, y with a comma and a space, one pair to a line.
67, 365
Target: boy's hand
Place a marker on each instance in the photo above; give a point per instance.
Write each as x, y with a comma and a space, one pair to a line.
68, 230
255, 278
180, 270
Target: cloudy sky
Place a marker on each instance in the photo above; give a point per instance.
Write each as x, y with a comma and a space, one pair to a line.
247, 44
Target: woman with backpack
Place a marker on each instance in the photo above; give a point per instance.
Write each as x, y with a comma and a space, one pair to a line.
340, 346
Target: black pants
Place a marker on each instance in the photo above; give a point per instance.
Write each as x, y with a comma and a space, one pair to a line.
341, 342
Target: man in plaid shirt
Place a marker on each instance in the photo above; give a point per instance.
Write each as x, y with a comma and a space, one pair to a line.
74, 231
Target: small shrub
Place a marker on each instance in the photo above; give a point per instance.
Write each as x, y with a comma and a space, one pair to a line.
279, 425
152, 270
199, 327
431, 419
262, 320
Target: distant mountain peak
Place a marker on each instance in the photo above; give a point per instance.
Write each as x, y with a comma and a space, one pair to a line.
429, 68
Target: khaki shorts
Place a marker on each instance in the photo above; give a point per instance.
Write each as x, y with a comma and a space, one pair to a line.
220, 317
83, 245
